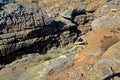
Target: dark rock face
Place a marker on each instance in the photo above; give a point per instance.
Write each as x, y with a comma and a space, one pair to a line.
3, 2
6, 1
72, 13
25, 30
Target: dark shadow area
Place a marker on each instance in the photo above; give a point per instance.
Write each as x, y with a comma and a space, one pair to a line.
1, 9
112, 76
1, 6
77, 12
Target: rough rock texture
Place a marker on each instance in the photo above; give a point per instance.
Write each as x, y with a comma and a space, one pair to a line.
20, 28
30, 26
38, 67
43, 70
24, 28
99, 60
111, 21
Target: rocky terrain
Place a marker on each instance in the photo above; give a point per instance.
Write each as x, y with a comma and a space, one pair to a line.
59, 39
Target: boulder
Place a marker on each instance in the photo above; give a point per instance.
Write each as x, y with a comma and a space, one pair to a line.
55, 66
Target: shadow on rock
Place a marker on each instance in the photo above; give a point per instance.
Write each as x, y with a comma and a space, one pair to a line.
47, 37
112, 76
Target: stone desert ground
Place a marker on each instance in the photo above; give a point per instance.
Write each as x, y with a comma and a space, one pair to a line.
59, 39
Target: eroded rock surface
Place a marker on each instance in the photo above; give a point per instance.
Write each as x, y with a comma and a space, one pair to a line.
29, 28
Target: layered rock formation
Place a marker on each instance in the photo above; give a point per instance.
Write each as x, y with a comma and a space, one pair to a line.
27, 29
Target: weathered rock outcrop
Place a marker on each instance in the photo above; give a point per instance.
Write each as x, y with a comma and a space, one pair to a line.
19, 26
30, 29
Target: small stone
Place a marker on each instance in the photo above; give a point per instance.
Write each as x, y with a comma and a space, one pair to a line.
114, 10
92, 7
